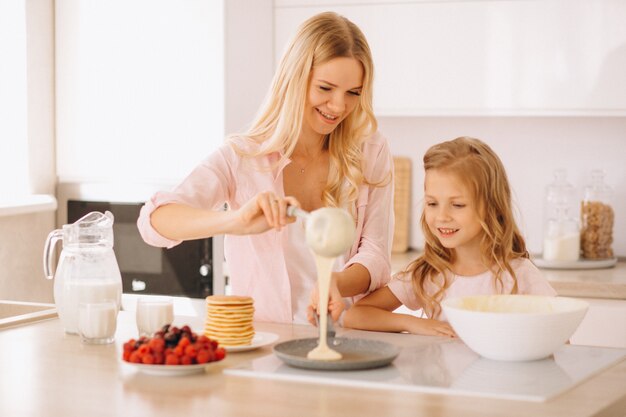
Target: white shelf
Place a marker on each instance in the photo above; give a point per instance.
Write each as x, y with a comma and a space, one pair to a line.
27, 204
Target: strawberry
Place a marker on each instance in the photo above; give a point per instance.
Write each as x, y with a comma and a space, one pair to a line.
156, 344
179, 350
159, 358
135, 357
205, 356
143, 349
184, 341
191, 351
171, 359
220, 353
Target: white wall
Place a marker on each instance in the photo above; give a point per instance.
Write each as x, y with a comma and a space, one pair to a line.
530, 148
22, 236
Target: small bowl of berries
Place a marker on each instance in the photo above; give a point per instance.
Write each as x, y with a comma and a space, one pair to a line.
172, 351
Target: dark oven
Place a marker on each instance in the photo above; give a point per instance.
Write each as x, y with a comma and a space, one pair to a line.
184, 270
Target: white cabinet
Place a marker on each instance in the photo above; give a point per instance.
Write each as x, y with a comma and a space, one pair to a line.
603, 325
505, 57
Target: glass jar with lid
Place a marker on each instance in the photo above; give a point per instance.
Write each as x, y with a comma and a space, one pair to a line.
561, 230
597, 217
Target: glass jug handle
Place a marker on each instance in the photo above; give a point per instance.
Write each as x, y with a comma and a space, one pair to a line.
51, 241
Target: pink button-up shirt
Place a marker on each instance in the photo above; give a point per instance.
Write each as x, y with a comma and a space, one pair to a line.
256, 263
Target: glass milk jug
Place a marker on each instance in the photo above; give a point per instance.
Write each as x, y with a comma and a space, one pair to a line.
561, 230
87, 271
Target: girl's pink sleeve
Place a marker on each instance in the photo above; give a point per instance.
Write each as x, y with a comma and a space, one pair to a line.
402, 287
531, 281
375, 205
208, 186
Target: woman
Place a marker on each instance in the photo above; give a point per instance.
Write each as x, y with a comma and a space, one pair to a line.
313, 144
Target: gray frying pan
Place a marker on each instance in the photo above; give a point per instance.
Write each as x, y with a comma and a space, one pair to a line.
357, 353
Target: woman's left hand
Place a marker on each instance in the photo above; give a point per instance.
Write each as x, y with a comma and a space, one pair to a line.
336, 306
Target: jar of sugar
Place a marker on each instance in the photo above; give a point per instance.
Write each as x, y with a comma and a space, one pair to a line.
561, 229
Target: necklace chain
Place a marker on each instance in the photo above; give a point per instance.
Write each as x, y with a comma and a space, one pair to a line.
303, 168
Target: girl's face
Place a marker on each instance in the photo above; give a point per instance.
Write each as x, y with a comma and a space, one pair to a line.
334, 91
450, 212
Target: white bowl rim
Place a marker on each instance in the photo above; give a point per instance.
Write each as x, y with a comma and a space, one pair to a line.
579, 305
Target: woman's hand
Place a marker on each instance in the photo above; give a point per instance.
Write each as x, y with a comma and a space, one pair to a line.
431, 327
335, 303
263, 212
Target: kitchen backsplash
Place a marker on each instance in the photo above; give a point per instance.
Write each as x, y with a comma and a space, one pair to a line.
531, 148
22, 239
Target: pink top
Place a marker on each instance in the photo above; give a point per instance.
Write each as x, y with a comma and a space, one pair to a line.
257, 263
529, 281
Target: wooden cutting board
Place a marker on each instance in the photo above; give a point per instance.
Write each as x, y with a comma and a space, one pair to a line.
401, 204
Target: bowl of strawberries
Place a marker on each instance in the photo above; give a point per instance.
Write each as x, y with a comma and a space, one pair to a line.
172, 351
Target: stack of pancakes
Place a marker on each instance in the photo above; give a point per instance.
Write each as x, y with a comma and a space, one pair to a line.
229, 319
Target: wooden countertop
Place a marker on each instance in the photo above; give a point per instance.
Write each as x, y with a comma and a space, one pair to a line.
609, 283
47, 373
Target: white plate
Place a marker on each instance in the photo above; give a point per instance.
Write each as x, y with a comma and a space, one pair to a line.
170, 370
579, 264
259, 339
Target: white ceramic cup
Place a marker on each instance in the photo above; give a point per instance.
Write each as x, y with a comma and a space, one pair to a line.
97, 322
153, 313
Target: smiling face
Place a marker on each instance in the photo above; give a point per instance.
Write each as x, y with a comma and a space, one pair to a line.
333, 93
450, 211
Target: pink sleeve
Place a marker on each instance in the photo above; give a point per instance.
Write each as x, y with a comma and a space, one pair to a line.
531, 281
402, 287
208, 186
375, 214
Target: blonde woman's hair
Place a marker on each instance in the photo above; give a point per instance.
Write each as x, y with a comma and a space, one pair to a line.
476, 165
278, 124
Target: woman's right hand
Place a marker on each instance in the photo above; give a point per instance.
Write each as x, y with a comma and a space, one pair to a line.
263, 212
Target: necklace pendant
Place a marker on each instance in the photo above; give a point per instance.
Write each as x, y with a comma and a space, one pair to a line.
301, 170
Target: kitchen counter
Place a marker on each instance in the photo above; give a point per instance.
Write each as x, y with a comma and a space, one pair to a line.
609, 283
48, 373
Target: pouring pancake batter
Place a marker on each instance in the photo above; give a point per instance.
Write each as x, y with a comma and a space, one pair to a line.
329, 233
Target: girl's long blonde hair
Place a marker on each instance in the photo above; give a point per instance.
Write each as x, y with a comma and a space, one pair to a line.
476, 165
278, 124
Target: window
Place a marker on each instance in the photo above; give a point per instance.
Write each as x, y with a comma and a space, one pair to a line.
139, 92
13, 92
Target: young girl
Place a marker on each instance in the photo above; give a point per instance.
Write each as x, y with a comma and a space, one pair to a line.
314, 144
473, 245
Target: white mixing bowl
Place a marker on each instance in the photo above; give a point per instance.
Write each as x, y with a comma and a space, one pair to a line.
514, 327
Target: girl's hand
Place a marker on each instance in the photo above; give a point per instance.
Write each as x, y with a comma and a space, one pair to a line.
263, 212
431, 327
335, 303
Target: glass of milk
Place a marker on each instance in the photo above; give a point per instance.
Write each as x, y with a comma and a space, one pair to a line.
153, 313
97, 322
